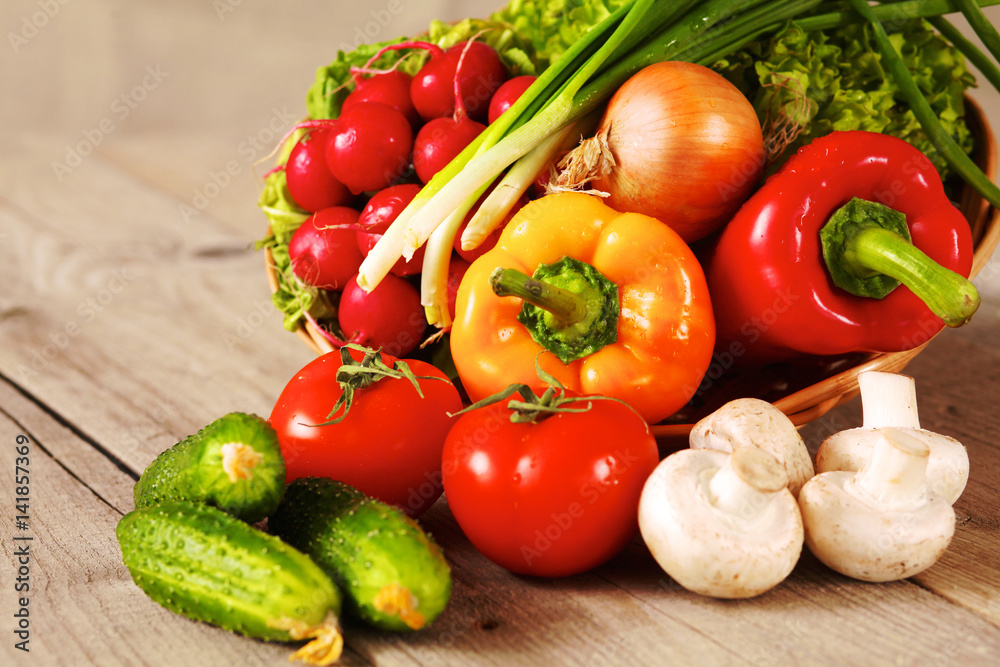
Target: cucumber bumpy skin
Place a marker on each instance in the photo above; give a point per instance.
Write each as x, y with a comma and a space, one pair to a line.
209, 566
392, 574
234, 463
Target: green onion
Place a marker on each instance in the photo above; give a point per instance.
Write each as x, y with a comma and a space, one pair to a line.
482, 162
947, 146
888, 11
985, 30
516, 182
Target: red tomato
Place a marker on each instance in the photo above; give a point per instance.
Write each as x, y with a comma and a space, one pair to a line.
552, 498
389, 444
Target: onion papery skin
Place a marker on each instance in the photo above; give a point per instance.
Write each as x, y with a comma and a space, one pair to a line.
687, 145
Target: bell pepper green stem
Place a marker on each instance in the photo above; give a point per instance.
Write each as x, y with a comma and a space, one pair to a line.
570, 308
565, 306
868, 253
949, 295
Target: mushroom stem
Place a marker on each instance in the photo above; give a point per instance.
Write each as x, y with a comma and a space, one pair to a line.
896, 474
743, 486
888, 399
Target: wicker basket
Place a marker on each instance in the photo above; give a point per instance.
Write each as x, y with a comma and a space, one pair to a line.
807, 391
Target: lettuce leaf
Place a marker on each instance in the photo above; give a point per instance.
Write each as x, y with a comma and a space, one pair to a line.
552, 26
807, 84
293, 297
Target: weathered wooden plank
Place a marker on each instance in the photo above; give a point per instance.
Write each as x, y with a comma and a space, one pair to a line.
818, 617
83, 460
497, 618
145, 343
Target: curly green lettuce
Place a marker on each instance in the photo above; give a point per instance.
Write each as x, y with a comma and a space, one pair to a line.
293, 297
808, 84
552, 26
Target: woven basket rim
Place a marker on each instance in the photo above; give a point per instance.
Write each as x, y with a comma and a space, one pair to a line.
814, 401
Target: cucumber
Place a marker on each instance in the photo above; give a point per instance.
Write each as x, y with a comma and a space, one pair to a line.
234, 463
392, 574
209, 566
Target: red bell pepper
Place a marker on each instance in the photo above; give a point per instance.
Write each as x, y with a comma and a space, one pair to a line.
783, 288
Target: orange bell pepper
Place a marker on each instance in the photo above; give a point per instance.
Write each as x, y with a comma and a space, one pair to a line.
627, 315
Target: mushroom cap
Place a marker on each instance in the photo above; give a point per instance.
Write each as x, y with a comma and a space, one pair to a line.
709, 551
947, 465
850, 533
752, 422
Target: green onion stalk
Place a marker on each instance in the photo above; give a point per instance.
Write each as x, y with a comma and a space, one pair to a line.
942, 141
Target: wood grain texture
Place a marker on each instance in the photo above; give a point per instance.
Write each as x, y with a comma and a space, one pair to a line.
128, 322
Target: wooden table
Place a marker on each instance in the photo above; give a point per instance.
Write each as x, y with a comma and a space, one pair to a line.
133, 312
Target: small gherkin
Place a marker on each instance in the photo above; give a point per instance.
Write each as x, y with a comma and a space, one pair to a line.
392, 574
202, 563
234, 463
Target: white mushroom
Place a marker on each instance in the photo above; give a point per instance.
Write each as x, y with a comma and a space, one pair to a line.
751, 422
881, 523
890, 400
720, 524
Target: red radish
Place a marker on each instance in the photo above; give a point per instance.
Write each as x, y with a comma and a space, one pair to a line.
323, 250
310, 182
369, 147
433, 50
507, 94
482, 73
380, 212
389, 317
456, 271
385, 205
391, 88
439, 141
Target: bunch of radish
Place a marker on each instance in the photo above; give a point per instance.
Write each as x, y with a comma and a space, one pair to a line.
357, 172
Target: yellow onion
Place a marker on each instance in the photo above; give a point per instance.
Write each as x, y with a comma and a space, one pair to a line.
677, 142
